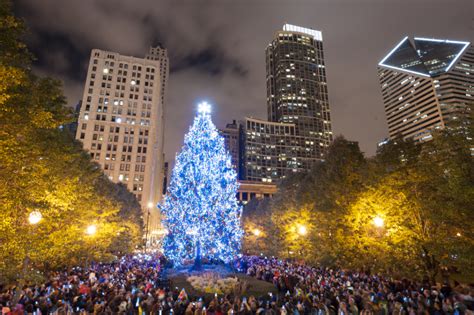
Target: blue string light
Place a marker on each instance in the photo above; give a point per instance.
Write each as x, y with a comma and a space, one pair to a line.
201, 209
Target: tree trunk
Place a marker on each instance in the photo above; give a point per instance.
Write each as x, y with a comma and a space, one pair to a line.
431, 265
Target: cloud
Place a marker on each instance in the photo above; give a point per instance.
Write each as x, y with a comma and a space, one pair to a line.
216, 49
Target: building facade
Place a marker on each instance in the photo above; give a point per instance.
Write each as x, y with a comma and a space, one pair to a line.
270, 150
426, 84
121, 122
231, 134
297, 91
249, 190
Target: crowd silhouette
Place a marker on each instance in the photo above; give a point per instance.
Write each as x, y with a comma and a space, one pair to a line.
136, 285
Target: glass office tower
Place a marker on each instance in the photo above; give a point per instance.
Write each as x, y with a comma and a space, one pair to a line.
426, 84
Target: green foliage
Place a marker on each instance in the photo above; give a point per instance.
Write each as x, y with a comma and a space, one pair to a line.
259, 237
43, 168
422, 192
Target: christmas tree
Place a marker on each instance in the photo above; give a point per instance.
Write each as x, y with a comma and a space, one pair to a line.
200, 210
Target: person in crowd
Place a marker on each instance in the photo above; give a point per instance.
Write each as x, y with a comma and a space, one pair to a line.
136, 285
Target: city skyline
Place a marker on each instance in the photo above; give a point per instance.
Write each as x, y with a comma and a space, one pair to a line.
221, 60
327, 141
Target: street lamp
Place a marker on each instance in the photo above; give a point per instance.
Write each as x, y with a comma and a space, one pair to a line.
91, 229
35, 217
150, 206
378, 221
256, 232
302, 230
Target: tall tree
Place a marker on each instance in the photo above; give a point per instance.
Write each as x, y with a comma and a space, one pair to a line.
201, 210
317, 202
43, 169
424, 196
331, 187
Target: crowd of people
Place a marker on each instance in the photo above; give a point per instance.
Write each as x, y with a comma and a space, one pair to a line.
311, 290
135, 285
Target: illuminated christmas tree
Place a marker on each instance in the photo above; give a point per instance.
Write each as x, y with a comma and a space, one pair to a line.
200, 210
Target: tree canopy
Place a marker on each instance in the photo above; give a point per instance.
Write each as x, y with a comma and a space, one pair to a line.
407, 211
42, 168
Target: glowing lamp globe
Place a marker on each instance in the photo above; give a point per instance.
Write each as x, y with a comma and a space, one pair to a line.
257, 232
91, 229
35, 217
378, 221
302, 230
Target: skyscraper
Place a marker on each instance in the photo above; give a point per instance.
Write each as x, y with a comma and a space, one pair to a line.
298, 129
297, 91
121, 120
231, 134
251, 142
426, 84
271, 150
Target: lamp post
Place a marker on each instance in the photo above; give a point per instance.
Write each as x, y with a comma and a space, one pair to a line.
33, 219
379, 224
150, 205
302, 231
91, 230
256, 233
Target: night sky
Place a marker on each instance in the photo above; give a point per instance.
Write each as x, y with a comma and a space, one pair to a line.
217, 49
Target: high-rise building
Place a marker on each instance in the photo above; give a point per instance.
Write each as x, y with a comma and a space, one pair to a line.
270, 150
235, 135
298, 129
297, 91
121, 121
231, 134
426, 84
